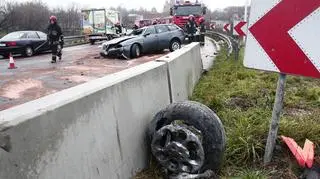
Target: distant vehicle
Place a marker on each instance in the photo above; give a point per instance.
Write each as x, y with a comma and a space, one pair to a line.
26, 43
146, 22
181, 12
166, 20
98, 23
145, 40
143, 22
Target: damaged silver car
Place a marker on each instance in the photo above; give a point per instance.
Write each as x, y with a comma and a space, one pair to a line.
145, 40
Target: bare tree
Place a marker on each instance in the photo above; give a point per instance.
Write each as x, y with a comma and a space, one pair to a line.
154, 10
34, 15
23, 16
226, 13
69, 19
5, 10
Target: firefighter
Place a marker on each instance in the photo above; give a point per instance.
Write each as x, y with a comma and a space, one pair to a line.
135, 27
118, 28
202, 30
191, 27
156, 21
54, 35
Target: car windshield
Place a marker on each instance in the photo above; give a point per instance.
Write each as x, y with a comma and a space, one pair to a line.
187, 10
14, 36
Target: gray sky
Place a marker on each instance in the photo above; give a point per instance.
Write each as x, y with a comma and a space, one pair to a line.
135, 4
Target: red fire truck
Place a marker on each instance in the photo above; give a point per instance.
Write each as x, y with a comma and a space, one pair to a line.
181, 11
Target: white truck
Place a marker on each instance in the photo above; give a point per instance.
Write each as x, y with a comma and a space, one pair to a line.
98, 24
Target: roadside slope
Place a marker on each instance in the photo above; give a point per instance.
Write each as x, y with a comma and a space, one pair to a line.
244, 99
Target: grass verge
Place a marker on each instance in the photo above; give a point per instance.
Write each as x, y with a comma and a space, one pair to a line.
243, 99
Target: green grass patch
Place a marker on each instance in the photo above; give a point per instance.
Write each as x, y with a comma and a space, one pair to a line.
243, 99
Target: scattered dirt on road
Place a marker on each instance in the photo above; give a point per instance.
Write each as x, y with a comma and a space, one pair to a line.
32, 81
77, 78
15, 89
81, 68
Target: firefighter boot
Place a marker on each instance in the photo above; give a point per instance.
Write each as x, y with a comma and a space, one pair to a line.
59, 55
54, 59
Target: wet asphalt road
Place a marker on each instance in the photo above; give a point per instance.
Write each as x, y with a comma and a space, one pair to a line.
42, 60
36, 77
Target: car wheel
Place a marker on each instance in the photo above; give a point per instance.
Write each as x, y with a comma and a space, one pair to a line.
187, 137
174, 45
92, 42
103, 54
135, 51
28, 51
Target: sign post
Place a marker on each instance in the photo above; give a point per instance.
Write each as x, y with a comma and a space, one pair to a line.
274, 126
238, 34
281, 39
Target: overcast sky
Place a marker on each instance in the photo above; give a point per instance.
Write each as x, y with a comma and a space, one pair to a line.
135, 4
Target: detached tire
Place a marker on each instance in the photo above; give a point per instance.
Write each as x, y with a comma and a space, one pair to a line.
135, 51
199, 117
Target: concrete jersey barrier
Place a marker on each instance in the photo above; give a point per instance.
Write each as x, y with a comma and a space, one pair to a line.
185, 69
97, 129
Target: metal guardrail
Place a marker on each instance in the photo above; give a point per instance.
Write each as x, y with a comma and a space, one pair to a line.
225, 38
75, 40
75, 37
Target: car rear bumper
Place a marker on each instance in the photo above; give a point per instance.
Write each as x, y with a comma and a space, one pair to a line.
14, 50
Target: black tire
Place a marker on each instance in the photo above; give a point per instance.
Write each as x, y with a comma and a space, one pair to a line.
28, 51
174, 45
92, 42
135, 51
200, 117
103, 55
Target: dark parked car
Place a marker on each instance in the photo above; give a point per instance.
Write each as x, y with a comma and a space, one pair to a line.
145, 40
23, 42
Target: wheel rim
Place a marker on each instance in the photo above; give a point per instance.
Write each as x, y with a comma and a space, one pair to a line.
29, 51
178, 148
138, 51
175, 46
